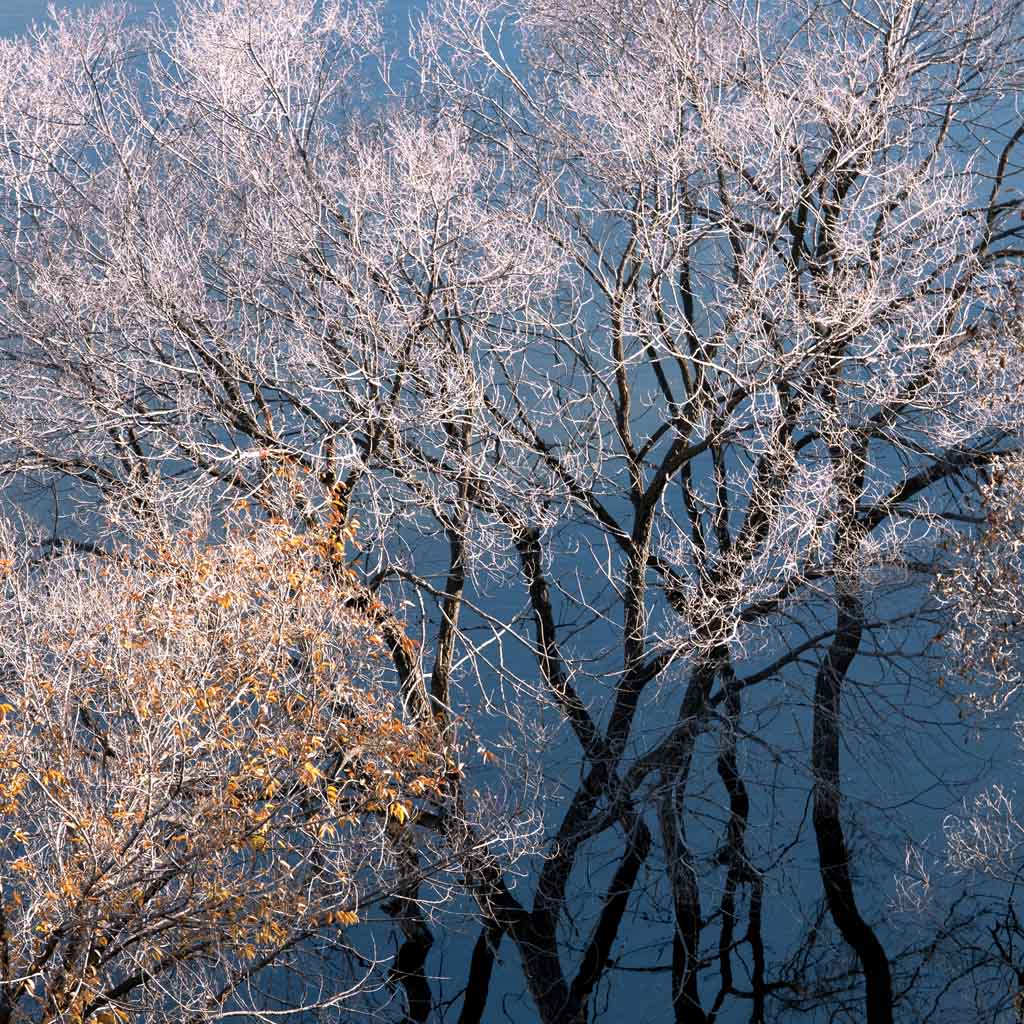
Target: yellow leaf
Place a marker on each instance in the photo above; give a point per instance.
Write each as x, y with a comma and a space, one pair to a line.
111, 1017
400, 811
346, 917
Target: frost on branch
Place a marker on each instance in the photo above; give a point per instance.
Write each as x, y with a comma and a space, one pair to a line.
655, 345
214, 218
983, 590
986, 836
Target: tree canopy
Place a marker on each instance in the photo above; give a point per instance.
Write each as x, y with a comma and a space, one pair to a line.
641, 382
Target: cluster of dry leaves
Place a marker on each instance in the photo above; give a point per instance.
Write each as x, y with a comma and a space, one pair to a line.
200, 765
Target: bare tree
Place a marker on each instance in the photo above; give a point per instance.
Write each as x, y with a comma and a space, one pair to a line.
656, 347
981, 588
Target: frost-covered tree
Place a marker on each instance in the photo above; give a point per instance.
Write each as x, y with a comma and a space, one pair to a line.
659, 350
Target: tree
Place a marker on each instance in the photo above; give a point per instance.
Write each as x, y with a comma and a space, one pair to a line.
203, 779
981, 588
656, 347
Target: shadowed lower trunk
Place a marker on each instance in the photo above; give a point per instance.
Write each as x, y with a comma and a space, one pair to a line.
833, 854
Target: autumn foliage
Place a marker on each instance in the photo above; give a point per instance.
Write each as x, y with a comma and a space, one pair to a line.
201, 769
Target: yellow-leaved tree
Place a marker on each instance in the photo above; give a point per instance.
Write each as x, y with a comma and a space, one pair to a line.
203, 776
